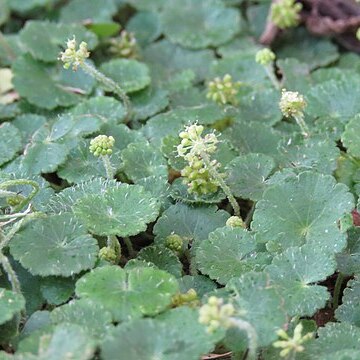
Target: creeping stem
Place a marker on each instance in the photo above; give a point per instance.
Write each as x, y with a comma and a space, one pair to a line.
251, 333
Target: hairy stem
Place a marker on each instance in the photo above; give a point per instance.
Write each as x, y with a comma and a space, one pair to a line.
303, 127
14, 281
108, 167
272, 77
129, 247
251, 333
337, 290
111, 85
213, 172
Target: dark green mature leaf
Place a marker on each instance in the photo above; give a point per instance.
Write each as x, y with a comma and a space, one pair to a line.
303, 266
146, 26
253, 137
124, 210
145, 5
349, 259
315, 52
334, 98
93, 318
51, 90
44, 40
130, 74
229, 252
336, 341
259, 304
247, 174
128, 294
165, 60
11, 304
148, 159
350, 138
303, 209
191, 223
10, 142
57, 290
197, 25
83, 10
176, 335
349, 310
56, 245
163, 258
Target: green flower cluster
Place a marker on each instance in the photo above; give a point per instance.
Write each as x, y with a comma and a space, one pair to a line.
190, 298
223, 91
285, 13
234, 221
292, 103
107, 253
124, 46
215, 314
102, 145
73, 57
174, 242
192, 148
265, 57
292, 345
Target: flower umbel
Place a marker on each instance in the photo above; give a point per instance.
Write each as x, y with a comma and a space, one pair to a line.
285, 13
174, 242
72, 56
192, 148
215, 314
223, 90
102, 145
265, 57
294, 344
124, 46
292, 103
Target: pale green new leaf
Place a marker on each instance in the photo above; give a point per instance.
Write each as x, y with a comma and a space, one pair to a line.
128, 294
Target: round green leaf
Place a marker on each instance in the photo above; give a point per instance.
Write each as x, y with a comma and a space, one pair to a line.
10, 142
128, 294
56, 245
44, 40
349, 259
51, 90
349, 310
177, 335
303, 209
146, 5
229, 252
303, 266
124, 211
163, 258
247, 174
191, 223
83, 10
92, 318
11, 304
350, 138
197, 25
57, 290
131, 75
259, 304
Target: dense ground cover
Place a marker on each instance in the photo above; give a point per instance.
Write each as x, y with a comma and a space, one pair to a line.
163, 196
